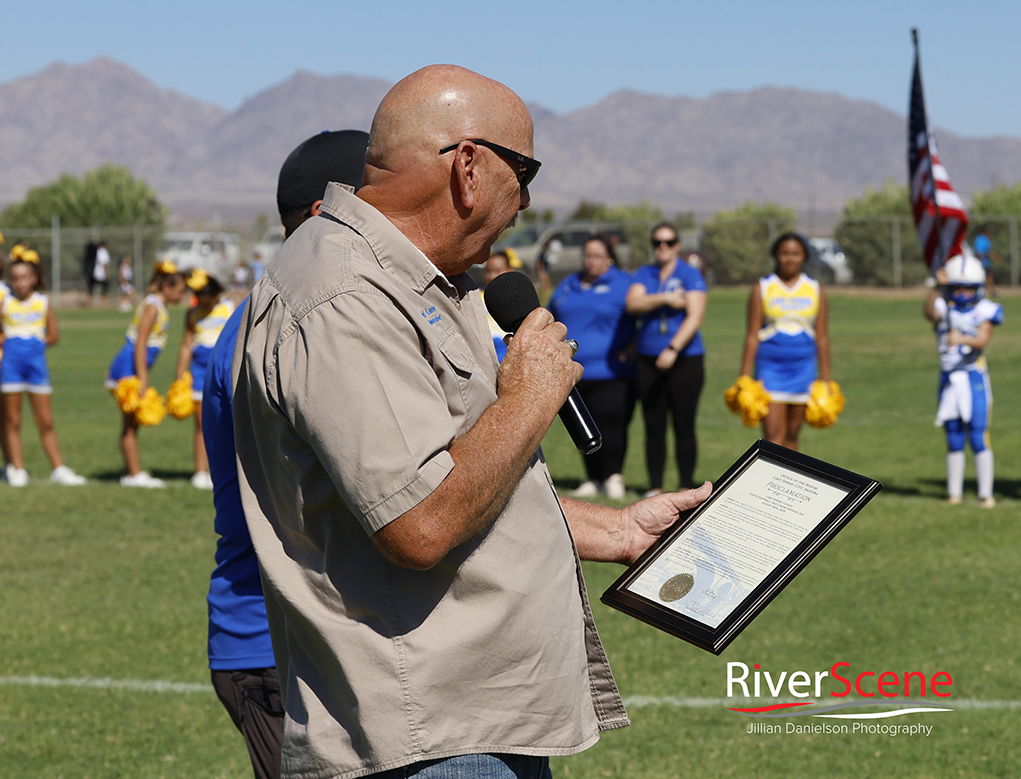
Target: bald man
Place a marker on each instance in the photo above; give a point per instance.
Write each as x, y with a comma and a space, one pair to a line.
422, 577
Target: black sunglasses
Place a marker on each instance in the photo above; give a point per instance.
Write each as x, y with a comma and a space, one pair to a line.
656, 243
527, 166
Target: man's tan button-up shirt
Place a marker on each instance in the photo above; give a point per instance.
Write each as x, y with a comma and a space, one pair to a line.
356, 366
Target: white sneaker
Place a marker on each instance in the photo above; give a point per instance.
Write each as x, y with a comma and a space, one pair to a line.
987, 503
587, 489
16, 477
64, 475
614, 487
142, 479
202, 480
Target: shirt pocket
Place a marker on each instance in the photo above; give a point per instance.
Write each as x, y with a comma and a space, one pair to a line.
461, 379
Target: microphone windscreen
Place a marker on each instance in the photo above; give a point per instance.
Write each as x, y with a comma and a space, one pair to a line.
510, 297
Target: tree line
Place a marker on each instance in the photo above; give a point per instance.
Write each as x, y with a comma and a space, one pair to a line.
734, 242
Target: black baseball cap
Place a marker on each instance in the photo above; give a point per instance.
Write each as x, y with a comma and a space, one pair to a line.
329, 156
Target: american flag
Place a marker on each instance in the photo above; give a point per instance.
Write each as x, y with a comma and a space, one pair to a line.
940, 232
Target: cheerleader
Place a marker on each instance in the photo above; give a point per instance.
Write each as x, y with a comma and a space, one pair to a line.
787, 341
963, 321
202, 327
4, 291
29, 326
145, 339
17, 252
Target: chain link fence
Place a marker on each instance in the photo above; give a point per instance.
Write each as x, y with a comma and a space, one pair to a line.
884, 250
62, 252
881, 251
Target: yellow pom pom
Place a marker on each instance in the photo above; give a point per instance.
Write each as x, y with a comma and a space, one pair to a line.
730, 395
180, 403
151, 409
126, 393
825, 402
748, 398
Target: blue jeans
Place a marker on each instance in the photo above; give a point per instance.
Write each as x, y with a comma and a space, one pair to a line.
474, 767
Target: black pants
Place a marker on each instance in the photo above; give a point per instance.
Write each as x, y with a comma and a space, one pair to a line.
253, 700
676, 391
611, 403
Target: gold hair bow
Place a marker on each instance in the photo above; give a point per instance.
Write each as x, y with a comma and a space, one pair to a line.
198, 280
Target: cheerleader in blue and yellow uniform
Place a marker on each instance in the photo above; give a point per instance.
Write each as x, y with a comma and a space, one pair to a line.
787, 341
29, 327
202, 327
145, 339
18, 251
964, 321
4, 290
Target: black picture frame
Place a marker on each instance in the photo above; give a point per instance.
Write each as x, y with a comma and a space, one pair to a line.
715, 633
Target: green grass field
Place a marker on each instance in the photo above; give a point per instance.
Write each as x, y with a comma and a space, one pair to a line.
104, 588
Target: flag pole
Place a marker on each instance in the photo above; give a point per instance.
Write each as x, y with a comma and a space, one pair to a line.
944, 291
928, 147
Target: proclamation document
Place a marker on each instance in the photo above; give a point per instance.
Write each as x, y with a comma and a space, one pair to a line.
738, 541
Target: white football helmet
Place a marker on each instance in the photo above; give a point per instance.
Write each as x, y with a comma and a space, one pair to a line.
964, 270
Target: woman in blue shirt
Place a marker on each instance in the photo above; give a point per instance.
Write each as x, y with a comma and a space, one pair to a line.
669, 297
591, 304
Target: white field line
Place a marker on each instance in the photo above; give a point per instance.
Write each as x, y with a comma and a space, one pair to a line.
634, 702
106, 683
640, 701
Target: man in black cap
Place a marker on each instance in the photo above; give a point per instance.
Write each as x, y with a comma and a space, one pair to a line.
329, 156
241, 657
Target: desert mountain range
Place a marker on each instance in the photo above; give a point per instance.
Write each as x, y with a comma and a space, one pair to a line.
808, 150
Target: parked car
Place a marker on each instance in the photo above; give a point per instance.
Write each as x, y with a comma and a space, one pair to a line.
216, 253
834, 266
565, 244
266, 249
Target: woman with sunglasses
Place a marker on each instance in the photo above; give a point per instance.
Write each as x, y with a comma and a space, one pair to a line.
669, 297
591, 304
787, 342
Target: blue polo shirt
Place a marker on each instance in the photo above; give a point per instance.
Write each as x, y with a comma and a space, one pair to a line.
238, 630
595, 318
656, 328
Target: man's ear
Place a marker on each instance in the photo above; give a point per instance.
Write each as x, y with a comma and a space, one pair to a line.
315, 208
466, 159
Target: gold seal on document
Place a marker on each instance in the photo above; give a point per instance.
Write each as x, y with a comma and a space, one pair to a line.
676, 587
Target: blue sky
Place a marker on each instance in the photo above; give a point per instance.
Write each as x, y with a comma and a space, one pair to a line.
562, 55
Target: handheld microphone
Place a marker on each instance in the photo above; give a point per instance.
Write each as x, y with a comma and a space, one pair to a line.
511, 297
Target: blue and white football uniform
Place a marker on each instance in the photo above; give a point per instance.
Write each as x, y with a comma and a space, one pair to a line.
965, 394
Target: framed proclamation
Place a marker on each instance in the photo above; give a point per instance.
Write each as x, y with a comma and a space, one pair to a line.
721, 563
